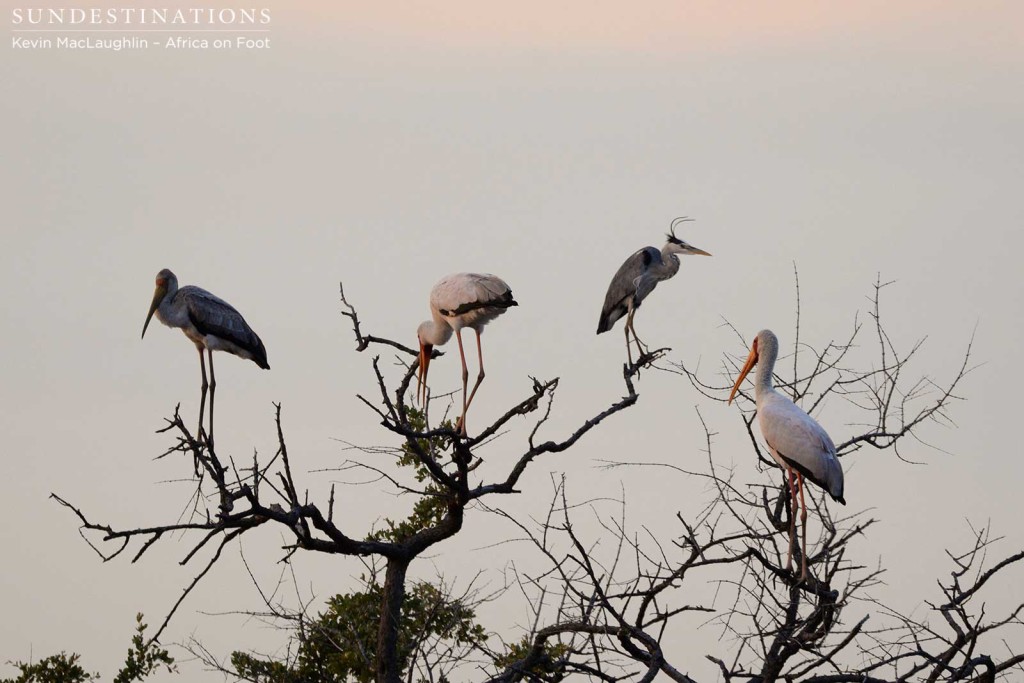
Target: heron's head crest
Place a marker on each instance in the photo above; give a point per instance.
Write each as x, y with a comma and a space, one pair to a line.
671, 236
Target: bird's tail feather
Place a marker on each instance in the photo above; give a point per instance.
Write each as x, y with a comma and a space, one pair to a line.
609, 317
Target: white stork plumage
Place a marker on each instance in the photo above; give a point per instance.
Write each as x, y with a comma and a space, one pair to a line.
211, 323
457, 301
795, 440
637, 277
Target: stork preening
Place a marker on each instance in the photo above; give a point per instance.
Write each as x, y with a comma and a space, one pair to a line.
637, 277
211, 323
795, 440
457, 301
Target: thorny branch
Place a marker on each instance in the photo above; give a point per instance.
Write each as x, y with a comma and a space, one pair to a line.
778, 627
892, 407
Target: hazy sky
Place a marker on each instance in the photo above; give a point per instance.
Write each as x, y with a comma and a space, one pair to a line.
388, 144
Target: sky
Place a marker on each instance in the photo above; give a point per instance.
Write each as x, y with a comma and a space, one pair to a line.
385, 145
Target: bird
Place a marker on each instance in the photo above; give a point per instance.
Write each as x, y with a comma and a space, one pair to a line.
637, 277
211, 323
457, 301
796, 441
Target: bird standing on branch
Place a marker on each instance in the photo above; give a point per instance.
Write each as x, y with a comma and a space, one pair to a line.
457, 301
795, 440
637, 277
211, 323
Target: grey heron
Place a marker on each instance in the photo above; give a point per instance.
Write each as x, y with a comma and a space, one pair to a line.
795, 439
210, 323
457, 301
637, 277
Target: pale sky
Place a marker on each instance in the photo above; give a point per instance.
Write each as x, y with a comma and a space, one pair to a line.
389, 144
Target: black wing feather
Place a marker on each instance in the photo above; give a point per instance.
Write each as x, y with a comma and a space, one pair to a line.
808, 475
212, 315
504, 301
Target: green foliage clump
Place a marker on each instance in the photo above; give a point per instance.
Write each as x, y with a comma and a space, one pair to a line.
59, 668
143, 659
250, 668
339, 645
551, 662
430, 508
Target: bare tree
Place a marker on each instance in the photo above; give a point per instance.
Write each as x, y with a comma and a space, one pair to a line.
607, 612
604, 610
244, 497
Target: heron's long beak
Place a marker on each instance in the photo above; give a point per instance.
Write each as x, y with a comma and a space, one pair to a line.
425, 352
694, 251
751, 362
158, 296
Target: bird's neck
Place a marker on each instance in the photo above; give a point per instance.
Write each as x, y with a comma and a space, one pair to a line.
669, 263
763, 383
164, 311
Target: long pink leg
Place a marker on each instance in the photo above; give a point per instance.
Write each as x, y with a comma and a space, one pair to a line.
480, 376
461, 425
803, 518
792, 520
